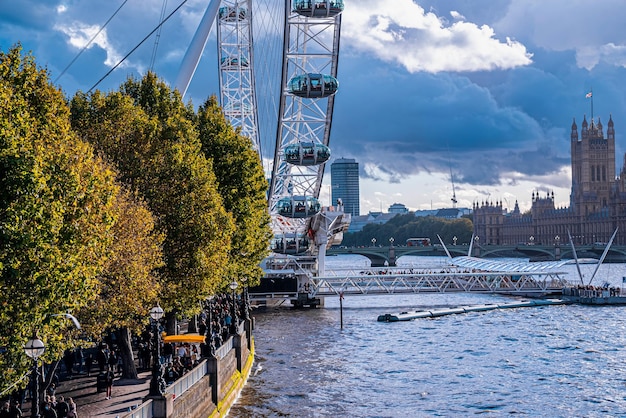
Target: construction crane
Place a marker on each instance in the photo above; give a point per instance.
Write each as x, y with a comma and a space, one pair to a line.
454, 201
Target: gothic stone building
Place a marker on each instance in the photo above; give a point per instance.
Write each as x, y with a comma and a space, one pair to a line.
597, 200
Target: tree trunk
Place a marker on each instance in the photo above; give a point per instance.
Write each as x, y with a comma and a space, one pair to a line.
192, 326
129, 371
170, 324
45, 379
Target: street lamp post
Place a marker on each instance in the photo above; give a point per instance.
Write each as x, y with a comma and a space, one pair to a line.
33, 349
233, 324
157, 384
557, 247
209, 346
245, 299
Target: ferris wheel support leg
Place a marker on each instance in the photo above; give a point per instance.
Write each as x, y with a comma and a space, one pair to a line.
194, 52
321, 255
320, 226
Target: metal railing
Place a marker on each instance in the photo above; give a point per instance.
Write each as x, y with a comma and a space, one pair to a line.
188, 379
224, 348
143, 411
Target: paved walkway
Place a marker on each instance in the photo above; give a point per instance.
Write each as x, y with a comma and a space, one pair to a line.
126, 395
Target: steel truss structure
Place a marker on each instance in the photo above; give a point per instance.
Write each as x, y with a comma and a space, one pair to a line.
449, 281
311, 46
236, 67
387, 281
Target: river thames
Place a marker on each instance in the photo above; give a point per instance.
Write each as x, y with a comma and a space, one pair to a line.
551, 361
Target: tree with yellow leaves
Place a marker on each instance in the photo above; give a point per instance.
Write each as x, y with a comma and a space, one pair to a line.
151, 136
57, 211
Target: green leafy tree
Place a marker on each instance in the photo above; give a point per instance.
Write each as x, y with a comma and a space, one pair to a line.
128, 287
243, 187
403, 227
151, 136
56, 214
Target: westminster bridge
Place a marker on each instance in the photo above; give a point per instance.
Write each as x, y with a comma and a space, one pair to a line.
388, 255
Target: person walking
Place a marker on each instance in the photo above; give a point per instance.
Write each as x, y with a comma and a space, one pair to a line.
62, 407
112, 360
88, 363
109, 381
68, 360
72, 413
48, 410
4, 412
102, 357
15, 411
79, 356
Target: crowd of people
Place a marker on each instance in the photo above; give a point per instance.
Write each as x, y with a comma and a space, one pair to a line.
51, 407
11, 409
217, 321
589, 291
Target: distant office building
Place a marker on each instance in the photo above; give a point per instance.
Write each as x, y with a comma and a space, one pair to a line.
425, 212
398, 208
452, 213
357, 223
344, 176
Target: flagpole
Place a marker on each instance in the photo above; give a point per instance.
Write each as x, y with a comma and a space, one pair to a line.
590, 96
591, 104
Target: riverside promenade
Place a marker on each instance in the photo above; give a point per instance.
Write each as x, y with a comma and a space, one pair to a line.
207, 390
127, 394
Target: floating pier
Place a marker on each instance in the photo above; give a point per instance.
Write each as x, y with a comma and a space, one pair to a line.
408, 316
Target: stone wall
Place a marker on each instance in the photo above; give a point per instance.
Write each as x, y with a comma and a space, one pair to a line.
195, 402
215, 393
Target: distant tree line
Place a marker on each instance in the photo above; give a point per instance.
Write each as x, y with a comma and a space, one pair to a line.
404, 226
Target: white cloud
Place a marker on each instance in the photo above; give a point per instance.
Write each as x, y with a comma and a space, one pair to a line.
593, 30
456, 15
80, 34
421, 41
589, 56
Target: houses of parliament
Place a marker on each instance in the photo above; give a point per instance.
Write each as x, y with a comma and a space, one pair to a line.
597, 200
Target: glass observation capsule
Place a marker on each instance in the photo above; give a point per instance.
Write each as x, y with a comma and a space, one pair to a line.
231, 14
313, 85
289, 244
298, 206
318, 8
307, 153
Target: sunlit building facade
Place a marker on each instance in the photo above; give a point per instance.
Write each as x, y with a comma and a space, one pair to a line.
597, 200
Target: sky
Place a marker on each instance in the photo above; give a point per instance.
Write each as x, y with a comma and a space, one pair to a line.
474, 97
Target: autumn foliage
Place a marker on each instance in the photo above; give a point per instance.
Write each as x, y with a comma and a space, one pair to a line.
112, 203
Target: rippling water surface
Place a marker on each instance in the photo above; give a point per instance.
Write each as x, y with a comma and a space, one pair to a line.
552, 361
